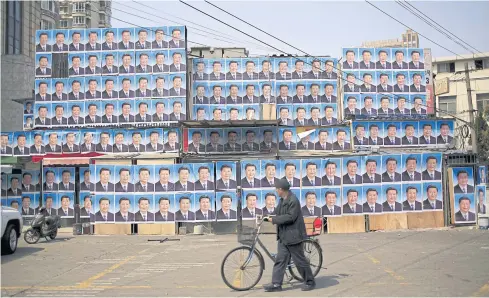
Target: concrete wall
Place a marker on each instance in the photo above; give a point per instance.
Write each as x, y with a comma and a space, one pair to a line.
17, 71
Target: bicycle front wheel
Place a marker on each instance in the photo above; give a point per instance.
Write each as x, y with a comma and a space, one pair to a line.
314, 255
242, 268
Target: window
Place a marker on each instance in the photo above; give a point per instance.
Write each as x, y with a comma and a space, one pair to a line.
479, 64
14, 28
446, 67
482, 101
78, 7
78, 21
63, 24
48, 5
45, 25
448, 104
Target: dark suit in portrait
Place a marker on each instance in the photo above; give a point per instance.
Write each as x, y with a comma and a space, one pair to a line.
61, 187
138, 187
179, 186
266, 76
199, 215
469, 189
231, 184
193, 148
182, 67
47, 48
30, 211
245, 213
210, 148
179, 216
96, 95
246, 184
379, 65
405, 141
47, 72
335, 181
33, 150
265, 183
228, 148
69, 212
286, 76
296, 182
440, 140
307, 182
149, 147
353, 65
199, 186
119, 188
371, 88
129, 217
407, 207
367, 209
406, 176
47, 97
402, 65
139, 217
387, 208
459, 216
221, 215
336, 146
130, 69
96, 119
348, 180
218, 101
62, 121
336, 210
388, 142
329, 75
282, 146
84, 148
366, 178
218, 77
159, 187
170, 216
96, 70
306, 212
99, 187
347, 209
99, 217
71, 96
363, 65
386, 177
73, 72
109, 47
413, 66
427, 205
62, 97
308, 146
427, 176
56, 149
413, 88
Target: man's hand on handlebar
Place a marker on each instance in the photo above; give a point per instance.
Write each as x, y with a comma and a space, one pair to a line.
267, 218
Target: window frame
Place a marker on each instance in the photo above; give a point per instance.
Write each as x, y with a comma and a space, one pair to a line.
13, 40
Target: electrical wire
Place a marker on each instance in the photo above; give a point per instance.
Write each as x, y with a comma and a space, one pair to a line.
395, 19
403, 5
281, 51
443, 27
221, 34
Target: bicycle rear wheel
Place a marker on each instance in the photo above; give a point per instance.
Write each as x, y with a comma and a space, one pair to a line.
314, 255
240, 276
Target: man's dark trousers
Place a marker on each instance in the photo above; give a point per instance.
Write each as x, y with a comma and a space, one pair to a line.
284, 253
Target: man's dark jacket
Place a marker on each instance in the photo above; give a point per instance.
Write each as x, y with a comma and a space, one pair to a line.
290, 223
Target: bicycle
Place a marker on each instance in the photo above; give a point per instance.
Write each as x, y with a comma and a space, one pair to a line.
249, 258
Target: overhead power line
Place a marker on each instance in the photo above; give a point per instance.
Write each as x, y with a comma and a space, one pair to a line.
403, 5
281, 51
443, 27
219, 33
395, 19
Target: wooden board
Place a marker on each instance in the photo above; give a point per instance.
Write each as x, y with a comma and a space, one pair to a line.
388, 222
112, 229
309, 221
346, 224
424, 220
162, 161
156, 229
269, 112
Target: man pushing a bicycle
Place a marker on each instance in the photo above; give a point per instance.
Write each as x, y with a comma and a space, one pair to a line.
291, 231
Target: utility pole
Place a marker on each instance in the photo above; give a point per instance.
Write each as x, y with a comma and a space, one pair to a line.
473, 130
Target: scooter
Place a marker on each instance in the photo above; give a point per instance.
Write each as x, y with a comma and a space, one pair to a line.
43, 225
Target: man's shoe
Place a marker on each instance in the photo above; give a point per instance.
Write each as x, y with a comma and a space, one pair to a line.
307, 287
272, 288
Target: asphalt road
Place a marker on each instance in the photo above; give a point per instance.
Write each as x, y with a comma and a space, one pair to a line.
451, 262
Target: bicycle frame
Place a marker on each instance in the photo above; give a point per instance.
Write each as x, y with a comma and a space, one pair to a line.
259, 221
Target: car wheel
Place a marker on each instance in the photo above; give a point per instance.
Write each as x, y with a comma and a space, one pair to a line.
9, 240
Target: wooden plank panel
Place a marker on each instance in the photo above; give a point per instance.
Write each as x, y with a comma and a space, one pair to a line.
346, 224
112, 229
425, 220
388, 222
157, 229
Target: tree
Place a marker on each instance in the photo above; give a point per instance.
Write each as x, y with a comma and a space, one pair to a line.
482, 130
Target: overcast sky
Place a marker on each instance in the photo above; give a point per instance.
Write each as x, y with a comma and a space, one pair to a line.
317, 27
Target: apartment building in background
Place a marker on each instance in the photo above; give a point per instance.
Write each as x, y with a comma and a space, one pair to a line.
409, 39
450, 83
19, 22
85, 14
49, 14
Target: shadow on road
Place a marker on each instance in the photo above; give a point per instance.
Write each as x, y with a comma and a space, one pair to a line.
20, 253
